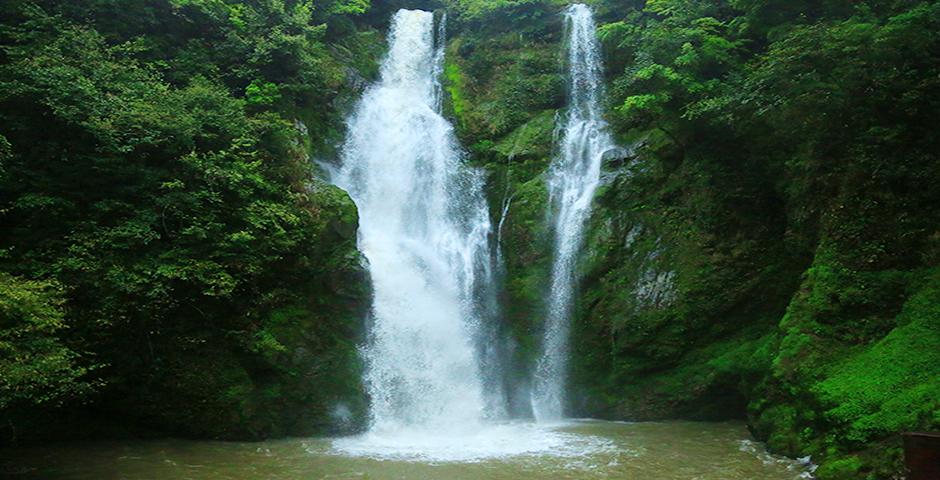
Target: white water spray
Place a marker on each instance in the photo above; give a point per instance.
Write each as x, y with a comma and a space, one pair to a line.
574, 176
424, 229
432, 377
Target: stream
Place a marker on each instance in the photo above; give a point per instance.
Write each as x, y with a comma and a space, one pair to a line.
588, 449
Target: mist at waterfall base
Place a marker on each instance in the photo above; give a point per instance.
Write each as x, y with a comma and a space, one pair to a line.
647, 451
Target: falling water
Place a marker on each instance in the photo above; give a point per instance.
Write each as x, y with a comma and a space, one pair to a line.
424, 229
574, 176
431, 368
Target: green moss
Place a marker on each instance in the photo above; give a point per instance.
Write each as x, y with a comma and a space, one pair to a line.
843, 469
848, 395
505, 77
893, 384
531, 139
525, 249
798, 273
778, 424
455, 85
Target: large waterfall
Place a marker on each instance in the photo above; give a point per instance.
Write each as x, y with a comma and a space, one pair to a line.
574, 177
424, 229
430, 371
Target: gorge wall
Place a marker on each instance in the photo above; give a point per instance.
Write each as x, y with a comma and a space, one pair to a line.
766, 246
750, 257
171, 265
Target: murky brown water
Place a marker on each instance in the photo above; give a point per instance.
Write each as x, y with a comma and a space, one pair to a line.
642, 451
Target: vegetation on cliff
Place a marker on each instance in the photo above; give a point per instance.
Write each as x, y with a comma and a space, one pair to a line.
768, 249
169, 260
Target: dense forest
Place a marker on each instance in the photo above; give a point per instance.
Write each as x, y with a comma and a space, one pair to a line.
766, 246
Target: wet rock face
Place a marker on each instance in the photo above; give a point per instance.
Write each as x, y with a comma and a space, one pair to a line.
712, 284
655, 289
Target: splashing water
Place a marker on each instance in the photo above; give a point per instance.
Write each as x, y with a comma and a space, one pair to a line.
574, 176
424, 229
647, 451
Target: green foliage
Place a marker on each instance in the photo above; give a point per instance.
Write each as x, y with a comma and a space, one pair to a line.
784, 157
262, 93
167, 187
782, 190
864, 391
531, 140
780, 182
503, 68
513, 11
892, 385
842, 469
6, 153
349, 7
455, 87
36, 368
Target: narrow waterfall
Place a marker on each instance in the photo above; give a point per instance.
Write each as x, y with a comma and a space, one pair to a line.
574, 176
424, 228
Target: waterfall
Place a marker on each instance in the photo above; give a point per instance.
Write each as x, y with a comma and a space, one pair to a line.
424, 229
432, 368
573, 178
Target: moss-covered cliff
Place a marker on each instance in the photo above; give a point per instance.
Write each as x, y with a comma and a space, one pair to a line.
187, 273
751, 258
768, 249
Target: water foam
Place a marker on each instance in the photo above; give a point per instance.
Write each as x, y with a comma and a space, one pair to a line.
487, 442
425, 229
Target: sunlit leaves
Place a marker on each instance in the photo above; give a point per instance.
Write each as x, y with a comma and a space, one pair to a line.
262, 93
157, 180
35, 366
347, 7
